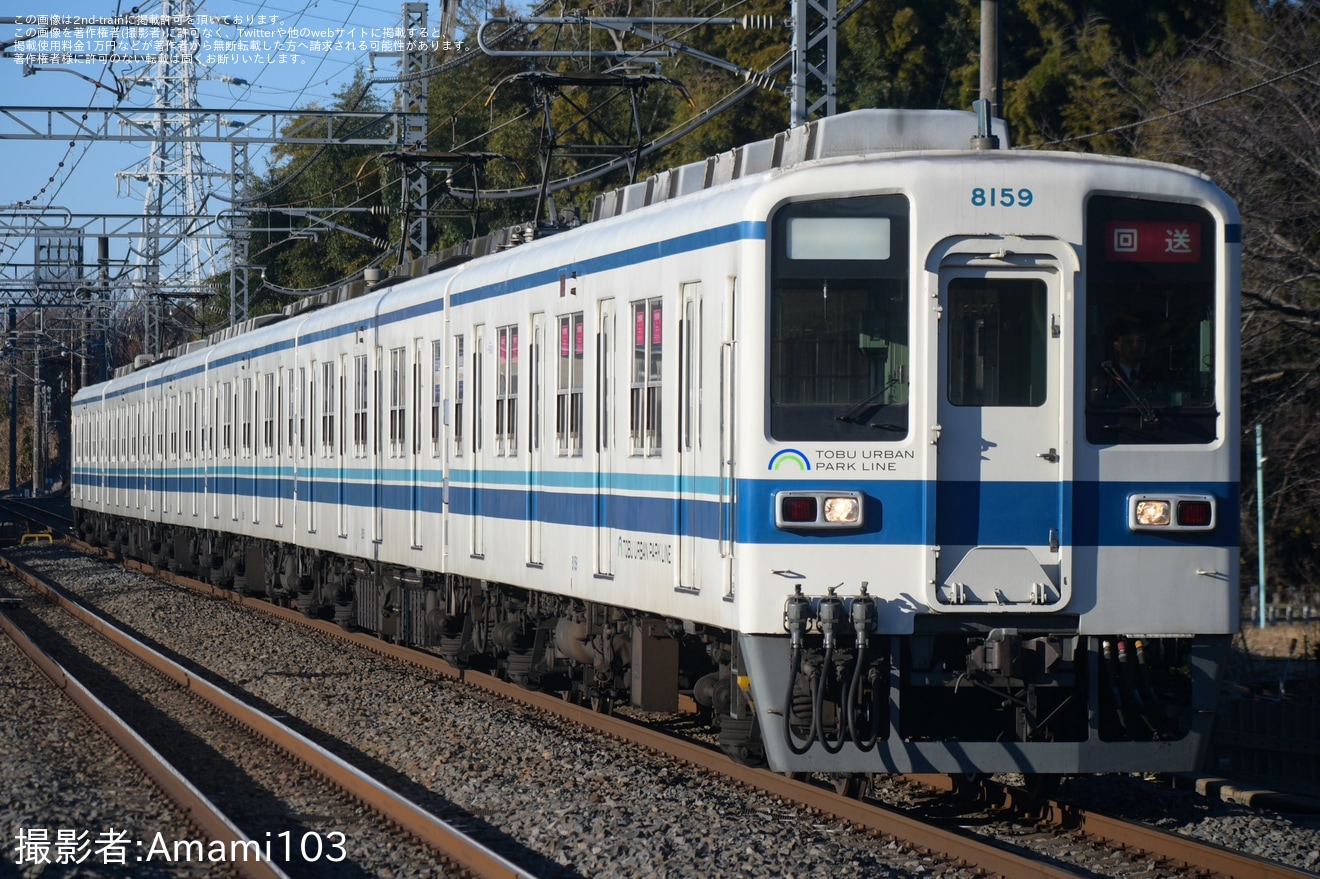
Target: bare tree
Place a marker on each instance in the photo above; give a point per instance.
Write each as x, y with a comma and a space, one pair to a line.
1245, 107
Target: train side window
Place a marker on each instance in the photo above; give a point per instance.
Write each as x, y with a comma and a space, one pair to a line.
291, 395
247, 418
689, 368
328, 408
459, 372
647, 370
568, 398
360, 437
1151, 322
268, 414
189, 419
506, 391
437, 393
398, 377
838, 346
228, 421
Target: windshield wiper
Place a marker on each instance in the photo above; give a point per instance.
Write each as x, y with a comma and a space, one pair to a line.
850, 414
1149, 418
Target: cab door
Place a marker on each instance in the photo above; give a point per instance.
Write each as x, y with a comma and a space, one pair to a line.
1003, 460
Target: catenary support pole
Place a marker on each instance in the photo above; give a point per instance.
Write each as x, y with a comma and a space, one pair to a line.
1260, 524
990, 71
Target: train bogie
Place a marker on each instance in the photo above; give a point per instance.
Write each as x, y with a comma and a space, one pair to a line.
891, 453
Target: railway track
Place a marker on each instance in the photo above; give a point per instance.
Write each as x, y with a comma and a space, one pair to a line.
37, 515
1167, 854
1167, 851
227, 763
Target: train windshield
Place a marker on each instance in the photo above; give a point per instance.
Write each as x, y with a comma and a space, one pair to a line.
1150, 323
839, 320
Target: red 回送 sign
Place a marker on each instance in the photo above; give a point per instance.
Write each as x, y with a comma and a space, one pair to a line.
1152, 241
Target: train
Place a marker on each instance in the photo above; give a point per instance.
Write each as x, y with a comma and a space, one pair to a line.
882, 446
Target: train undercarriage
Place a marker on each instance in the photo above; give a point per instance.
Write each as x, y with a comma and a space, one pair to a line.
958, 695
593, 654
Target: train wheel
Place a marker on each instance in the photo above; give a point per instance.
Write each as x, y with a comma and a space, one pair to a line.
1037, 791
970, 788
851, 785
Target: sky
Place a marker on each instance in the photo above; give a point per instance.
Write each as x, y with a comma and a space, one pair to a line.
282, 73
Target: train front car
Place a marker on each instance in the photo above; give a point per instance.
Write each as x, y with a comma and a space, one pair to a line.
992, 526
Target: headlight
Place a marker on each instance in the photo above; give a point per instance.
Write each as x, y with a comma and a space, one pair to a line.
843, 510
818, 509
1152, 513
1171, 512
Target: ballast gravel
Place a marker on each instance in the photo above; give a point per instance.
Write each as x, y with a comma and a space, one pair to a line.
566, 802
71, 803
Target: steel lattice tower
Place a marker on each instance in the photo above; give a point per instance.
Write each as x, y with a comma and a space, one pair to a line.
170, 260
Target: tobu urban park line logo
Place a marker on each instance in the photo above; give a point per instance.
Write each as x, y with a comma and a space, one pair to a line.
789, 459
875, 461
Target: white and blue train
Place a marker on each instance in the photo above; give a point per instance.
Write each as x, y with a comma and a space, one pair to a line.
890, 452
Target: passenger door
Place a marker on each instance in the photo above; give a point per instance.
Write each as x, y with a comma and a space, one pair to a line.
605, 400
535, 449
689, 390
477, 533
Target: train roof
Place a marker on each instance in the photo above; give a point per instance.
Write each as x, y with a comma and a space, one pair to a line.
858, 133
854, 134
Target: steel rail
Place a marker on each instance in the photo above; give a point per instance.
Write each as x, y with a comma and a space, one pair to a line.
1198, 855
200, 811
466, 853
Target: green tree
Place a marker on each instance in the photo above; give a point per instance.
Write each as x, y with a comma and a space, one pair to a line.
906, 55
1059, 58
337, 184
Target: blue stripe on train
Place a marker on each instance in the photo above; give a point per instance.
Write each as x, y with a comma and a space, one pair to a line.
899, 512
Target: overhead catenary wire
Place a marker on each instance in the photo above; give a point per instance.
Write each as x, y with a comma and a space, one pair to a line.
1297, 71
